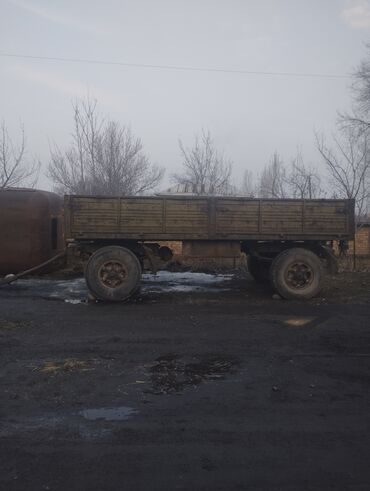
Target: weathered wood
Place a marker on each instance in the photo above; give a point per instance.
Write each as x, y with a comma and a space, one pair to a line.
202, 218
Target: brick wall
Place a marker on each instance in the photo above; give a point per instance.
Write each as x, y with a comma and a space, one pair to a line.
174, 245
362, 242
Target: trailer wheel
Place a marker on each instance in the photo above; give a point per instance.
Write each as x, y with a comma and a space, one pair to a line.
258, 269
296, 274
113, 273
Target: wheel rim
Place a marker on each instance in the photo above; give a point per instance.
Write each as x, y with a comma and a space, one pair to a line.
299, 275
112, 274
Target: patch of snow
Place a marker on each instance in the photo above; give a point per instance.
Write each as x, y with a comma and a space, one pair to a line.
75, 291
186, 277
108, 413
184, 282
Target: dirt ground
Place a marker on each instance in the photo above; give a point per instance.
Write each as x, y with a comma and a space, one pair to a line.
210, 386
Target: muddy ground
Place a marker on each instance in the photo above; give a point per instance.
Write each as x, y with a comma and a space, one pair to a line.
215, 386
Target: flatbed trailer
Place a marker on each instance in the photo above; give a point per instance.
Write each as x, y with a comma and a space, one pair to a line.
286, 240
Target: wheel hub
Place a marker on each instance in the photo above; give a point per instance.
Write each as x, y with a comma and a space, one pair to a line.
299, 275
112, 274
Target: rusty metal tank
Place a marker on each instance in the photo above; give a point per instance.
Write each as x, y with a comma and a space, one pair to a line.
31, 228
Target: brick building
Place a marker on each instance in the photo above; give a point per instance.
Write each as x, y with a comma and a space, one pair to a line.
362, 240
361, 260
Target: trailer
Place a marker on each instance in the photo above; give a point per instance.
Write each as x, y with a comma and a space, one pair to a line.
287, 241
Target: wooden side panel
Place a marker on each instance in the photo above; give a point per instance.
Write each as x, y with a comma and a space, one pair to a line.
235, 217
140, 216
193, 218
93, 216
325, 217
186, 217
281, 217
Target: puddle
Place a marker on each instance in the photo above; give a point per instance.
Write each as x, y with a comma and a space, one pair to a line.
68, 422
121, 413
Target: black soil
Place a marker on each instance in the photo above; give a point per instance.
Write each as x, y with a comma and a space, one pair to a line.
224, 390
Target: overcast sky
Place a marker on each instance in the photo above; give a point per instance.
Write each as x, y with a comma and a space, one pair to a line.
249, 116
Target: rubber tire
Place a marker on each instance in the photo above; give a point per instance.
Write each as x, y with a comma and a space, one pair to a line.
130, 285
280, 265
259, 270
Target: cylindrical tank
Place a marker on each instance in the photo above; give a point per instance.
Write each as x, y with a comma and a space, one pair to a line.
31, 228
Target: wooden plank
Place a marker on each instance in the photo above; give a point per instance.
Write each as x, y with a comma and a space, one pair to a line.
325, 217
236, 217
190, 216
141, 216
280, 216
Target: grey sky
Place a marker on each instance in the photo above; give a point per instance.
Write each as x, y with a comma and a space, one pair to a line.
249, 116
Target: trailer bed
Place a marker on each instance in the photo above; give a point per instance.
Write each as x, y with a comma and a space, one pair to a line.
203, 218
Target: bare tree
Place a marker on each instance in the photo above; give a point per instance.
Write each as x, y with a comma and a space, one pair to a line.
348, 166
122, 167
15, 168
248, 186
303, 182
205, 171
359, 117
272, 182
104, 158
361, 95
74, 170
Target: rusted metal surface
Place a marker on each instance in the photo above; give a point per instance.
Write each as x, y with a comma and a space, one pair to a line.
31, 228
201, 218
211, 248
